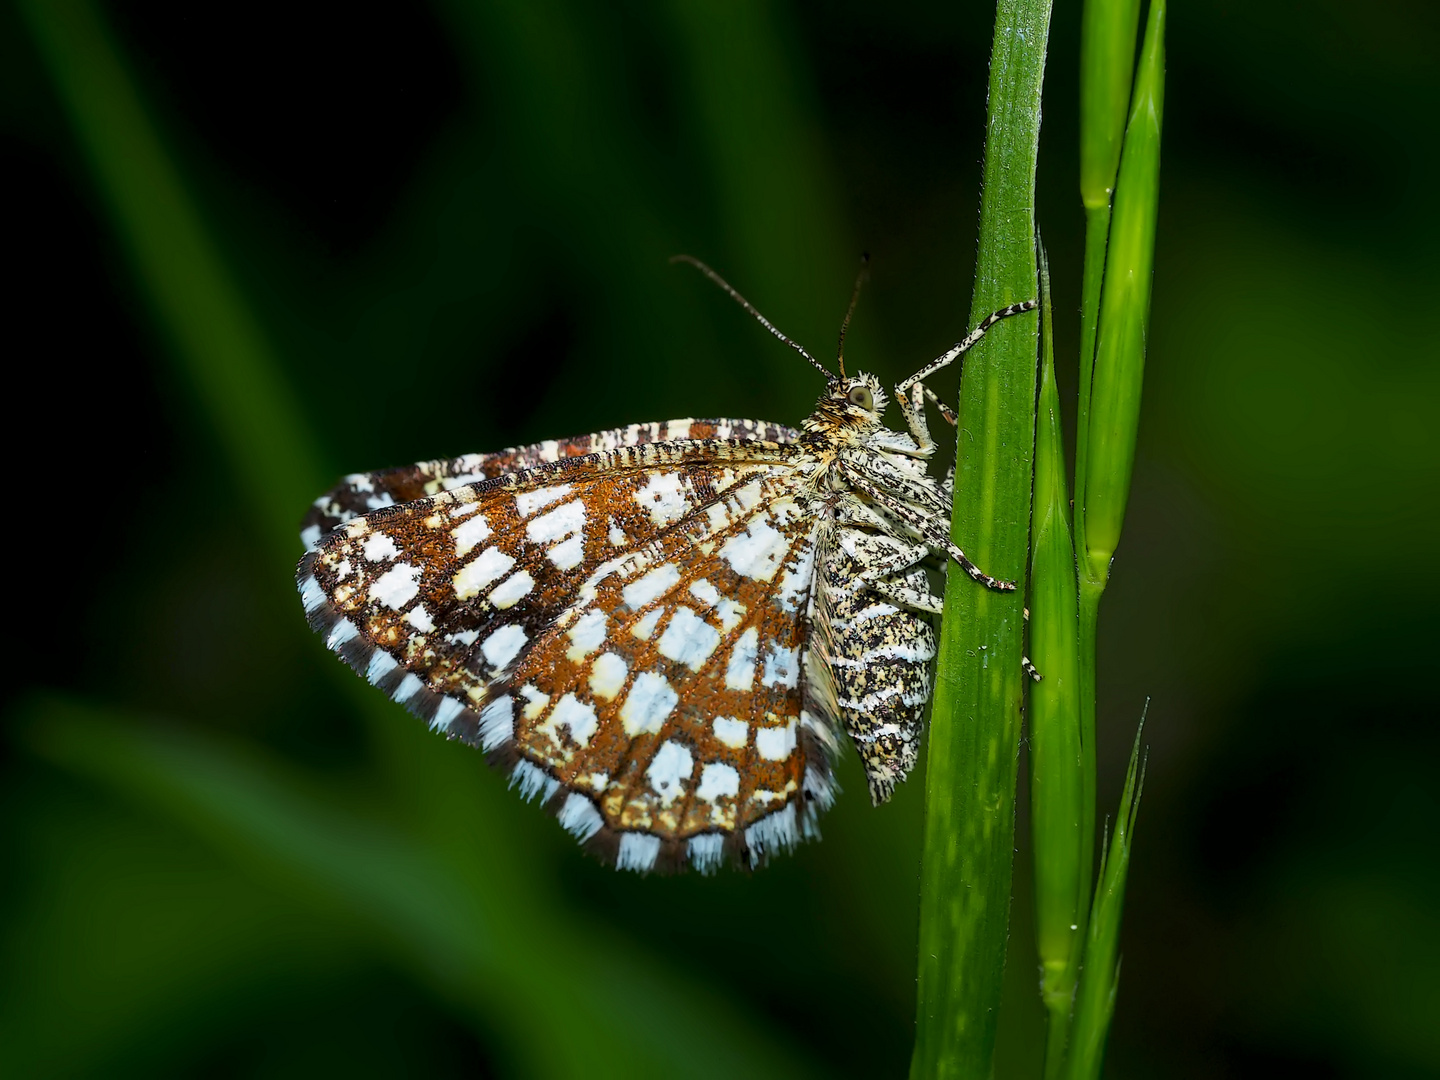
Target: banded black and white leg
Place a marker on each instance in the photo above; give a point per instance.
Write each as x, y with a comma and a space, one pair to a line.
912, 392
933, 528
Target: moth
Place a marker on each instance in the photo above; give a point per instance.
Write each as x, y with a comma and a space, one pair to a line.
661, 631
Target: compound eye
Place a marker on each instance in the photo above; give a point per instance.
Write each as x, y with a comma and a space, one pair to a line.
861, 396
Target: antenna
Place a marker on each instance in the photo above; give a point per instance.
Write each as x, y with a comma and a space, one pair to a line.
854, 296
718, 280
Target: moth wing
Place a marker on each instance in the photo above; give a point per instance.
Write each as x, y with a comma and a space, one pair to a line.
626, 632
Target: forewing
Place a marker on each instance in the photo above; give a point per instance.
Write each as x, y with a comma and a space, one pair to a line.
626, 631
360, 493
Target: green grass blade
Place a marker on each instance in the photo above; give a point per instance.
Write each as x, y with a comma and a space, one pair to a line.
1095, 995
1125, 309
971, 760
215, 342
1107, 62
1056, 815
510, 958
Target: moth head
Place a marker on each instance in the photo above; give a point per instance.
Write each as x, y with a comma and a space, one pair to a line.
859, 398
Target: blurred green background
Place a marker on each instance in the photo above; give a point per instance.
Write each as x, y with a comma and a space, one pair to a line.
445, 229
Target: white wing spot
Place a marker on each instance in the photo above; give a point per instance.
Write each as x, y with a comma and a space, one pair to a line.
587, 635
795, 584
731, 732
646, 626
470, 533
650, 701
503, 646
420, 619
535, 702
655, 583
607, 676
688, 639
512, 590
775, 743
572, 713
782, 666
408, 688
740, 672
533, 781
567, 554
379, 547
758, 552
559, 523
490, 565
396, 587
672, 763
527, 502
663, 498
311, 594
718, 781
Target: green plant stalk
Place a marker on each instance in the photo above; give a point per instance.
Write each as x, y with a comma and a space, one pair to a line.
1107, 51
1056, 813
974, 729
1095, 995
1105, 455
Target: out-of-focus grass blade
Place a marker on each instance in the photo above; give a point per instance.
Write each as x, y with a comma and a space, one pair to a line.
215, 342
1125, 309
565, 996
1056, 816
1099, 978
975, 719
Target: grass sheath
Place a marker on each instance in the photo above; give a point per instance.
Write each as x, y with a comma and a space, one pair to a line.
968, 843
1056, 815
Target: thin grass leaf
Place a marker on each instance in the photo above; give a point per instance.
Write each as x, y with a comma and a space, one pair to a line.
975, 721
1056, 813
1107, 63
510, 958
1125, 309
1100, 976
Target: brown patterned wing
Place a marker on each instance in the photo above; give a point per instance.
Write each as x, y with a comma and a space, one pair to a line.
626, 632
361, 493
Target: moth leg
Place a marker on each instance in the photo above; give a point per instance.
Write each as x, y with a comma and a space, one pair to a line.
935, 536
905, 595
912, 402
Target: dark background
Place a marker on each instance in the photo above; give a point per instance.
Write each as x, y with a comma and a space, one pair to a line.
451, 225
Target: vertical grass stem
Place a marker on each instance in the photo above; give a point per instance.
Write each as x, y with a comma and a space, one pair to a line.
968, 844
